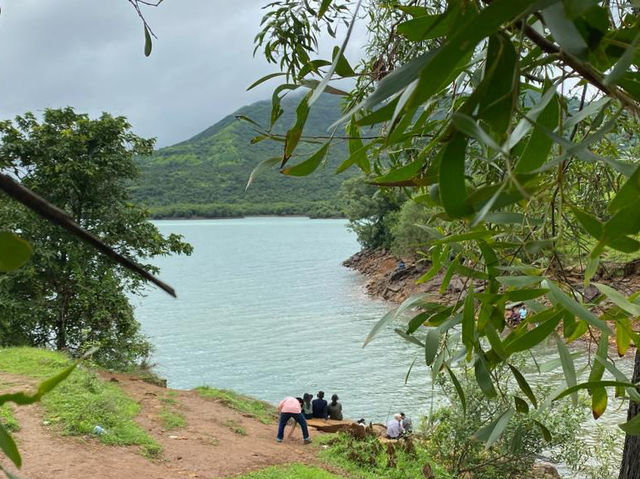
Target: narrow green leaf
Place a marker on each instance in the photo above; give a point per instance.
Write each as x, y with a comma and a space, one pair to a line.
591, 269
521, 405
539, 145
262, 166
295, 132
264, 79
472, 235
324, 6
497, 104
623, 335
623, 64
558, 296
543, 429
629, 193
50, 383
308, 166
409, 338
378, 326
591, 385
462, 42
500, 426
568, 366
519, 281
406, 378
564, 30
599, 400
431, 345
9, 447
632, 427
618, 299
469, 322
453, 191
467, 125
459, 390
524, 385
483, 378
325, 80
14, 251
533, 337
147, 41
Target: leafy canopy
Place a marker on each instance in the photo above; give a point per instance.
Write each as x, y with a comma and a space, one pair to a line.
513, 122
68, 295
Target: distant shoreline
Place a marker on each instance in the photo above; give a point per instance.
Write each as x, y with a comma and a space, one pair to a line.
183, 218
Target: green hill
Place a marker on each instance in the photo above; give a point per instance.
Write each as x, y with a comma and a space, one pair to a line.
207, 174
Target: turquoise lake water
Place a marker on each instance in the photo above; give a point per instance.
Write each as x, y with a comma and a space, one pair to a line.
265, 308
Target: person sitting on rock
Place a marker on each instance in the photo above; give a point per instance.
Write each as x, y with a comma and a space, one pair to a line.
291, 408
406, 423
319, 407
394, 427
307, 407
335, 408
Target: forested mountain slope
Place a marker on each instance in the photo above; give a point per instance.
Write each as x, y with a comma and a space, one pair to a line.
207, 174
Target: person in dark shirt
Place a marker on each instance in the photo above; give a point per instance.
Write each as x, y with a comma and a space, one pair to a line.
319, 407
307, 407
335, 408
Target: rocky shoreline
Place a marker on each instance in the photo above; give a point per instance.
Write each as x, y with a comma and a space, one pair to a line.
387, 280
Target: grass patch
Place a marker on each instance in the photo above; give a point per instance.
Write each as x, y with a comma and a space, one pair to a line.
172, 419
290, 471
262, 411
235, 427
369, 459
83, 401
7, 418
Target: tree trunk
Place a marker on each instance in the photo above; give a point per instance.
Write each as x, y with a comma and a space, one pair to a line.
630, 468
61, 333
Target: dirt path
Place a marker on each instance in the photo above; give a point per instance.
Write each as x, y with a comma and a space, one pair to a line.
207, 447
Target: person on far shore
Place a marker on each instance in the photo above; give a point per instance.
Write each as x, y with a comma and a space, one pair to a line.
406, 423
288, 408
319, 406
394, 427
335, 408
307, 407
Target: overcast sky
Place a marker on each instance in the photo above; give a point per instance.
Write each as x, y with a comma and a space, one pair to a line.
89, 54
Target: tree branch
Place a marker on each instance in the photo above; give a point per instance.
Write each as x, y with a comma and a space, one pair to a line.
55, 215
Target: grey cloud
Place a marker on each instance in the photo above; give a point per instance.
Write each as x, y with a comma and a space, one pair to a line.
88, 54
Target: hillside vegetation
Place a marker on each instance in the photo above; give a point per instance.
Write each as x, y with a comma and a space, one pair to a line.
207, 174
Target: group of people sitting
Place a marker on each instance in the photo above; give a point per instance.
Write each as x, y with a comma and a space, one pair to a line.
302, 408
399, 426
319, 408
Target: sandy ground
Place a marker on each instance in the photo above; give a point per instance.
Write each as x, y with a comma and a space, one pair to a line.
204, 448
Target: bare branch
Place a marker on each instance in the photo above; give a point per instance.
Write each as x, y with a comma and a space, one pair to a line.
54, 214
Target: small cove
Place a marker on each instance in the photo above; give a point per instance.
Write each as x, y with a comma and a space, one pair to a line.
265, 308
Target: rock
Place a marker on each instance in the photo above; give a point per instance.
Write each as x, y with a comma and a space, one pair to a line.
544, 470
427, 472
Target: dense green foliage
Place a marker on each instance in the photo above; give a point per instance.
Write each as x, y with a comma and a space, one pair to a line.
513, 121
372, 213
68, 295
368, 458
448, 429
83, 401
207, 175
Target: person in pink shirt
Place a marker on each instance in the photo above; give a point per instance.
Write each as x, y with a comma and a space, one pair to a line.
288, 408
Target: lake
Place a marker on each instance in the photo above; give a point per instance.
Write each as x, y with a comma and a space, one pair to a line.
265, 308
